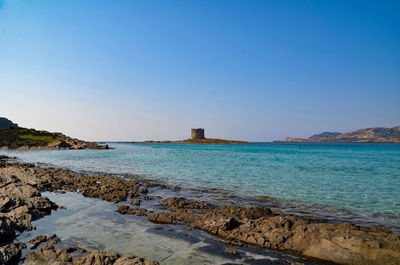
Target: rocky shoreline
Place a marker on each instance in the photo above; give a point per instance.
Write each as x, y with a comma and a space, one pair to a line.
21, 203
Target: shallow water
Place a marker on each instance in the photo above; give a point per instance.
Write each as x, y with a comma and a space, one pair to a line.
362, 180
94, 224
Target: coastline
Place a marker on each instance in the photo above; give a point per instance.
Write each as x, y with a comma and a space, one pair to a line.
230, 223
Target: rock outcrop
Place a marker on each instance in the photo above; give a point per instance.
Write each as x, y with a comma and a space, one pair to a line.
50, 254
339, 243
21, 203
22, 138
10, 253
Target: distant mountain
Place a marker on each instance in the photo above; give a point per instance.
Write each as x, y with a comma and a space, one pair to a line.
367, 135
323, 135
377, 134
6, 123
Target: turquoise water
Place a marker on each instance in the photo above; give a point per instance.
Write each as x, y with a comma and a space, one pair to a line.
360, 177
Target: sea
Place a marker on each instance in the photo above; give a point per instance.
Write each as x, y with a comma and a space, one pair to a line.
357, 183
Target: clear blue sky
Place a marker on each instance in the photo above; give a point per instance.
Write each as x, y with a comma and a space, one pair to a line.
255, 70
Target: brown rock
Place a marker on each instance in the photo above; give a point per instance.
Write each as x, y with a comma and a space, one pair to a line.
162, 218
141, 212
98, 257
125, 209
136, 202
10, 254
53, 239
232, 251
33, 243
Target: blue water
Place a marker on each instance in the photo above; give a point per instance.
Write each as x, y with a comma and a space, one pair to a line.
361, 177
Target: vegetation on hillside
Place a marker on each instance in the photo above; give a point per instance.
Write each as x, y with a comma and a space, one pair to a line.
22, 138
46, 138
16, 137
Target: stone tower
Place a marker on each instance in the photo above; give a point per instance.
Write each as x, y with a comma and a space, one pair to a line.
197, 133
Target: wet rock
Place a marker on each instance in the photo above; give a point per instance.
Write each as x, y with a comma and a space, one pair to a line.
48, 254
180, 203
125, 209
344, 243
53, 239
144, 190
162, 218
141, 212
232, 251
21, 202
100, 257
52, 255
133, 260
136, 202
74, 249
37, 241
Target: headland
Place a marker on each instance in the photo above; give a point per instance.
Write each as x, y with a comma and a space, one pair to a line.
14, 137
366, 135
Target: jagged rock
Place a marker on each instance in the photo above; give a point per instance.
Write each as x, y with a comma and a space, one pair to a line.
53, 239
344, 243
52, 255
125, 209
37, 241
10, 254
141, 212
4, 204
136, 202
98, 257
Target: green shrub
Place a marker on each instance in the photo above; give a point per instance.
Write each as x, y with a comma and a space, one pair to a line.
46, 138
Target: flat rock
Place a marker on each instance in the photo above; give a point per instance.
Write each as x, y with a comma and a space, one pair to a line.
232, 251
52, 255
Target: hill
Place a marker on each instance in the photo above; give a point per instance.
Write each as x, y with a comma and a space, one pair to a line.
323, 135
22, 138
366, 135
6, 123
